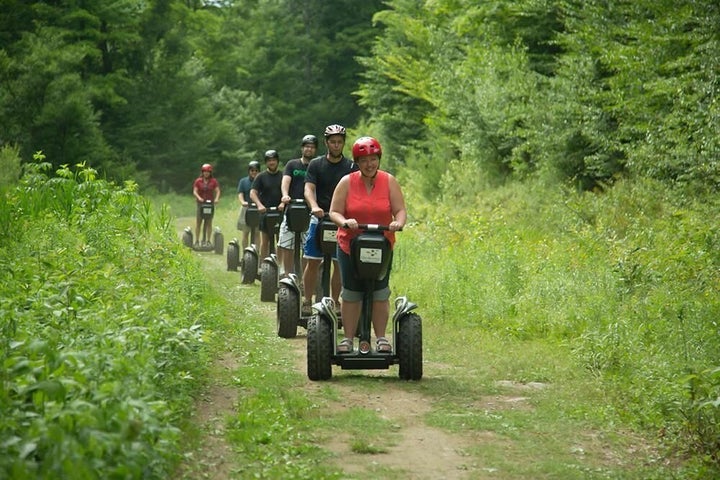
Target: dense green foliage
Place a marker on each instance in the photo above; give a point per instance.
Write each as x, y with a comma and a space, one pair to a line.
163, 86
586, 91
100, 336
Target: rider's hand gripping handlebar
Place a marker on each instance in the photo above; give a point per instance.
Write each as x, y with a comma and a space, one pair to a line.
371, 227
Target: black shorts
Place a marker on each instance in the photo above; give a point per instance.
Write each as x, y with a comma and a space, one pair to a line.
201, 214
353, 288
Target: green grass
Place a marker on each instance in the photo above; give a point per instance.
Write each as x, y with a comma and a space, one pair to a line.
543, 299
364, 447
540, 412
609, 298
272, 429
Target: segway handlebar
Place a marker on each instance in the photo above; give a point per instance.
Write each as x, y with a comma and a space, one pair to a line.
371, 227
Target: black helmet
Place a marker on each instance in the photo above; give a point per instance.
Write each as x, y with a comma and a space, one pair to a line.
334, 129
254, 164
271, 154
309, 139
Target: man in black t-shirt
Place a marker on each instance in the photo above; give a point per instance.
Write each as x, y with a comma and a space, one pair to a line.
293, 187
265, 192
323, 174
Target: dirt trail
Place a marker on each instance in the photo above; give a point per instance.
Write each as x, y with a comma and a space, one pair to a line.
215, 454
418, 450
414, 450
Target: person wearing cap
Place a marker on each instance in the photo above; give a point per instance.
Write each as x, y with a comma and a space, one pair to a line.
293, 187
205, 188
243, 194
265, 192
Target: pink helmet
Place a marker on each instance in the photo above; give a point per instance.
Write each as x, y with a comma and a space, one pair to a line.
206, 168
334, 129
364, 146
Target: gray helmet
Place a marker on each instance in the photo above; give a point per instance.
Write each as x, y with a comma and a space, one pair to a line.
309, 139
271, 154
254, 164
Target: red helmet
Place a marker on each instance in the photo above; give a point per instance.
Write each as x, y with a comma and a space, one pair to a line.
364, 146
206, 168
334, 129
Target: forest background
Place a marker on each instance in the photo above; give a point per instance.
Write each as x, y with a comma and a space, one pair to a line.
488, 112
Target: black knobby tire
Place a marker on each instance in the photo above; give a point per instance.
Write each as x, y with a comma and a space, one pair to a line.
249, 268
319, 348
409, 347
187, 238
268, 281
233, 257
219, 240
288, 311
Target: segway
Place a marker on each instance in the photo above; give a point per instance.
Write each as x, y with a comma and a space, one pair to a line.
233, 249
370, 253
289, 296
249, 263
187, 237
327, 238
233, 255
269, 266
208, 208
216, 246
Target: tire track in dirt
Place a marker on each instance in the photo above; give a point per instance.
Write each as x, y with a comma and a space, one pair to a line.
414, 449
214, 457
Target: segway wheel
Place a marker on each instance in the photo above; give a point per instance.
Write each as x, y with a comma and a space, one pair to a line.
409, 347
319, 348
249, 268
288, 312
233, 257
268, 282
187, 238
218, 241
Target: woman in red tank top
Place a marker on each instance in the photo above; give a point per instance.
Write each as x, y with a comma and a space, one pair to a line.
367, 196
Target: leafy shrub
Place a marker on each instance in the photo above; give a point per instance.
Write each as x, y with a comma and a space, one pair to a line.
101, 347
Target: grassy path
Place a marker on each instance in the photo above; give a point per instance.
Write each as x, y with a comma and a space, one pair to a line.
486, 408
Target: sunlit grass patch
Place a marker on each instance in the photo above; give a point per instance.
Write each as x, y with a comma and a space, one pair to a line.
362, 446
